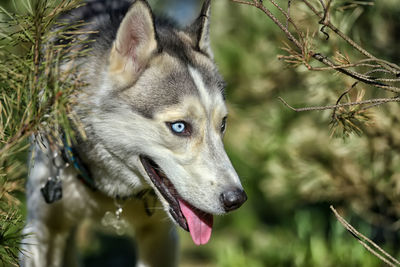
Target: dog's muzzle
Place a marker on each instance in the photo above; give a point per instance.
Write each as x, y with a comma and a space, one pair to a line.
166, 189
190, 218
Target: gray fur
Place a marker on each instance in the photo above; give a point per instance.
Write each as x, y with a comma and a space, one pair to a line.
132, 96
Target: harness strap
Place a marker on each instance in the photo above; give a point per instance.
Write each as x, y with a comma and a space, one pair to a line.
83, 172
148, 196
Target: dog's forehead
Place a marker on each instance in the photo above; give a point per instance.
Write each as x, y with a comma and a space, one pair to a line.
169, 80
179, 46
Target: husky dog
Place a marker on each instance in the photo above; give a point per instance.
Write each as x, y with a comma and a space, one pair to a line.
154, 115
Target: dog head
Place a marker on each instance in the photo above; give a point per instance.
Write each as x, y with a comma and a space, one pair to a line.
164, 115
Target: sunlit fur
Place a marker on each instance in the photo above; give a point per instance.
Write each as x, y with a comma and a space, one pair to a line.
166, 75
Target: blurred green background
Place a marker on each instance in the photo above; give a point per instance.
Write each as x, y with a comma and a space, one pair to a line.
290, 165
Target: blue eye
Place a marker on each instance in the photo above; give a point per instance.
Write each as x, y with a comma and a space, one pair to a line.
178, 127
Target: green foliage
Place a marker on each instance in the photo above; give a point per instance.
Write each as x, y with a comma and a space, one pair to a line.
291, 165
10, 228
35, 93
35, 97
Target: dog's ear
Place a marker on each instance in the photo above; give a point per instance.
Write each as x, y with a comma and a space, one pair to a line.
199, 31
135, 43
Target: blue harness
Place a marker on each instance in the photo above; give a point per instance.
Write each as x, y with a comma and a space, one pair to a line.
83, 172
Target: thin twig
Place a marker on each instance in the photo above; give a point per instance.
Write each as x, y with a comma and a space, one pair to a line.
323, 59
325, 17
344, 66
288, 18
327, 23
244, 2
366, 242
371, 101
288, 13
340, 98
356, 75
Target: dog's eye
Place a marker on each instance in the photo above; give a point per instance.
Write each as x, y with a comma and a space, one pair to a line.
223, 125
180, 128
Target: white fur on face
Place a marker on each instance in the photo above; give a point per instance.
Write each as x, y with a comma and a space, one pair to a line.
204, 93
208, 101
197, 165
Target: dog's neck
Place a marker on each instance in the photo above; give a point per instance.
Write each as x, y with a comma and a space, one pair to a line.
72, 157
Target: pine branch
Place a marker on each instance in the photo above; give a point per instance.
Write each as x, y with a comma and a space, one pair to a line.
378, 101
373, 72
36, 98
11, 225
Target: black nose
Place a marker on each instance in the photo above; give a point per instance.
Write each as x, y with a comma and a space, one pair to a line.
233, 199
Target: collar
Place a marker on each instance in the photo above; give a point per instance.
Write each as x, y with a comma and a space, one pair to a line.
146, 195
72, 157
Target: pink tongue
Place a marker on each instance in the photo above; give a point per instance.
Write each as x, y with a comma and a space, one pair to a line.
200, 223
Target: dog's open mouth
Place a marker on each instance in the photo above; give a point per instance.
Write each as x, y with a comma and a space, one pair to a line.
197, 222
